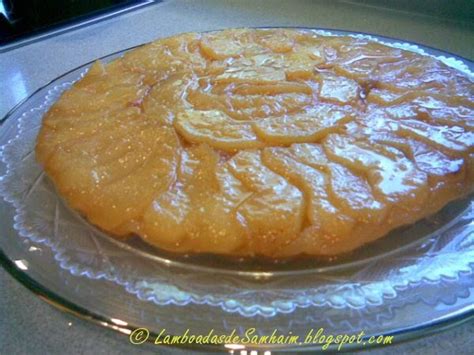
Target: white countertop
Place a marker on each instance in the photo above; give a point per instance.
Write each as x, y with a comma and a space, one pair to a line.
30, 325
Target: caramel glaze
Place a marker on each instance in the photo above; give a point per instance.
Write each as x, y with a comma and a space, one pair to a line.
261, 142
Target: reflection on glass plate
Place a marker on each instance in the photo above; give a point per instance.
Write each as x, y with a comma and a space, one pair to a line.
410, 271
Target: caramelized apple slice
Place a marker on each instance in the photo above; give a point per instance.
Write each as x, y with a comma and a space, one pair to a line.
278, 41
166, 56
361, 59
393, 177
310, 154
77, 101
165, 99
353, 195
453, 139
385, 97
309, 126
164, 220
90, 129
228, 44
218, 48
428, 159
216, 129
338, 89
112, 202
251, 74
320, 211
443, 110
282, 87
275, 210
251, 107
300, 64
212, 225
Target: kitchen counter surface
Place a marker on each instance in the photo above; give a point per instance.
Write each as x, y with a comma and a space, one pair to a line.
29, 325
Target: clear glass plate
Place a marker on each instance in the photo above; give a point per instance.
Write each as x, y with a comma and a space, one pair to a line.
418, 276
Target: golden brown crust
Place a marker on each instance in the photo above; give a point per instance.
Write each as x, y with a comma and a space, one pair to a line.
261, 142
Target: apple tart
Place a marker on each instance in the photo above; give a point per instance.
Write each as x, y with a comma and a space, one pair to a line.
271, 142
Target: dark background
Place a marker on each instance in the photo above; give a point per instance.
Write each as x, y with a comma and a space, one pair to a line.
23, 18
